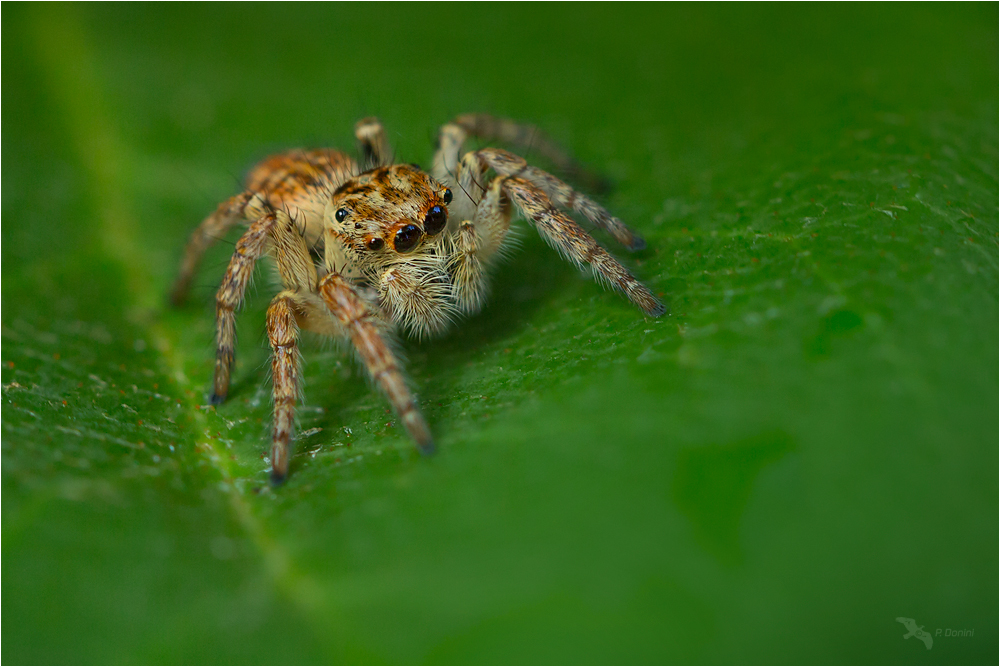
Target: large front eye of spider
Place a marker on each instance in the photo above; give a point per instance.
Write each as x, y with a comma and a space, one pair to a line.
435, 221
341, 214
406, 238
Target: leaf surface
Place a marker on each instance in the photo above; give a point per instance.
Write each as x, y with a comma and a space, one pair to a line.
803, 450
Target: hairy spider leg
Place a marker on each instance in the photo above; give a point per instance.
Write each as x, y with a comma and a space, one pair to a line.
369, 335
373, 143
273, 230
508, 164
203, 237
475, 244
283, 335
574, 243
449, 150
294, 181
274, 233
527, 139
529, 183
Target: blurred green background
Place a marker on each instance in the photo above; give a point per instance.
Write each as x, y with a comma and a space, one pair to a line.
802, 451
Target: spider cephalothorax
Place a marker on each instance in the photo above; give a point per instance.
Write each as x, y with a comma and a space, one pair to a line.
390, 222
361, 253
390, 209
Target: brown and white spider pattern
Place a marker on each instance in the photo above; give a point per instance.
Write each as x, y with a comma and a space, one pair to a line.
365, 249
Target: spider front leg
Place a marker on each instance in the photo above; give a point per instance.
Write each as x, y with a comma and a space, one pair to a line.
508, 164
368, 334
574, 243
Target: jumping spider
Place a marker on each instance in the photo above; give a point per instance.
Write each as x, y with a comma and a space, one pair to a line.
364, 249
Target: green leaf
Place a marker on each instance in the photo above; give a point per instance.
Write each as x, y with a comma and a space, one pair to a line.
802, 451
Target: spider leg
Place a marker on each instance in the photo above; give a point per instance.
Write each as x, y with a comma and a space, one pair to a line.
508, 164
521, 136
474, 243
373, 144
368, 334
208, 232
574, 243
274, 230
283, 334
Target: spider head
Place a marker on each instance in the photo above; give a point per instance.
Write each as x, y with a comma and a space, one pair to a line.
389, 211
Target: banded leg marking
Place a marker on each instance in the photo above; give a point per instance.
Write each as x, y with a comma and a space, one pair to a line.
202, 238
283, 334
271, 228
508, 164
367, 335
576, 244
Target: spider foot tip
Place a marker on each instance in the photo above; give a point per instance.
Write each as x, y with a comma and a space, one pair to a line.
602, 184
177, 299
217, 399
638, 243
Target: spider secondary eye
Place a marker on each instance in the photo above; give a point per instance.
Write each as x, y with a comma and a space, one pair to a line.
375, 243
435, 221
341, 214
447, 196
406, 238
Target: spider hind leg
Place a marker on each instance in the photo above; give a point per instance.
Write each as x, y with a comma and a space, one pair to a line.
202, 238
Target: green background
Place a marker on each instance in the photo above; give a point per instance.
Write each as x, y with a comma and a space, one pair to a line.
803, 450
